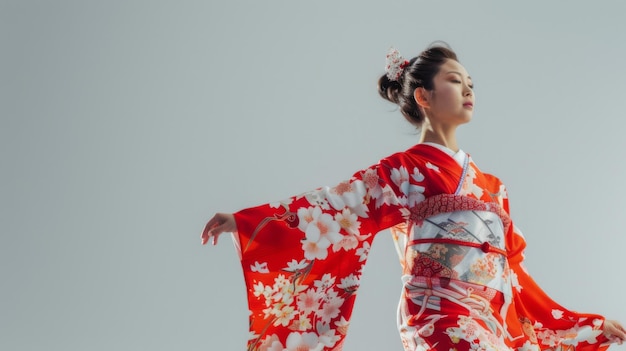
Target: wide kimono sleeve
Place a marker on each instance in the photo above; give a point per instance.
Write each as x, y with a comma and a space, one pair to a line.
542, 319
302, 258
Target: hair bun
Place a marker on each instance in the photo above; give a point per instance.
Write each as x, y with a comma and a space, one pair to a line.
389, 89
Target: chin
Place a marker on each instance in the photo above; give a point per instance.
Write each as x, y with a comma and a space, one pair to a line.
465, 119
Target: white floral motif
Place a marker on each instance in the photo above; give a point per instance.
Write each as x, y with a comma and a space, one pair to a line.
331, 306
348, 221
417, 175
327, 335
303, 323
284, 314
432, 166
400, 176
325, 283
363, 251
309, 301
387, 197
348, 242
468, 183
416, 195
370, 179
349, 282
271, 343
557, 314
349, 194
321, 231
294, 265
315, 250
259, 267
304, 341
317, 198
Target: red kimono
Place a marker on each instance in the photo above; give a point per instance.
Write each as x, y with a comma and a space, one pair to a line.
465, 287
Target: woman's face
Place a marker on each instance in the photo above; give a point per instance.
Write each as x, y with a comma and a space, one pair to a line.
451, 102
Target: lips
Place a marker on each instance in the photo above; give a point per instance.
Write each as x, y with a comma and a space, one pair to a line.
468, 104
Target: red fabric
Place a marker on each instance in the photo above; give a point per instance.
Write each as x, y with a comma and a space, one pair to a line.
302, 259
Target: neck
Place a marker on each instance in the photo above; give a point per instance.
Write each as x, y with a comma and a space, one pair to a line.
441, 135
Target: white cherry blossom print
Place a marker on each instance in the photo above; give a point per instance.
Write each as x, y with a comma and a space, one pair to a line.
349, 194
327, 335
330, 309
303, 323
306, 216
325, 283
295, 266
259, 267
415, 195
557, 314
261, 290
271, 343
371, 180
303, 342
347, 242
363, 251
432, 166
400, 177
389, 197
315, 249
469, 186
417, 175
320, 229
309, 301
348, 221
349, 283
323, 227
317, 198
284, 315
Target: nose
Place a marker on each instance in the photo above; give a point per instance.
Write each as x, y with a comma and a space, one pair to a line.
468, 91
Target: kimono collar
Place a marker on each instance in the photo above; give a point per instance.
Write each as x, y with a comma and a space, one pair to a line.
458, 156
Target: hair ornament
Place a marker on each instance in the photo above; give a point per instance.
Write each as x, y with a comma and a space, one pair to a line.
395, 64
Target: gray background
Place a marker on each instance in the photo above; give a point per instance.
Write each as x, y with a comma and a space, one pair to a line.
125, 125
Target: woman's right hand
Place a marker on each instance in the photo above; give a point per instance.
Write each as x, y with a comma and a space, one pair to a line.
221, 222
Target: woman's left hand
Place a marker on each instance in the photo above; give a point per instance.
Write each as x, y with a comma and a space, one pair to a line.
614, 331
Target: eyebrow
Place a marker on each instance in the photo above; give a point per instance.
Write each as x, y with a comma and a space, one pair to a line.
459, 73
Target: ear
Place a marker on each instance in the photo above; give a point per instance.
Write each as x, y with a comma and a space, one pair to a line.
421, 97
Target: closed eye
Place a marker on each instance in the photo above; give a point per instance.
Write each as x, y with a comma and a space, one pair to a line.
456, 81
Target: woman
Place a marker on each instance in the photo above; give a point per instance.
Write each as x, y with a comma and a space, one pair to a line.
465, 287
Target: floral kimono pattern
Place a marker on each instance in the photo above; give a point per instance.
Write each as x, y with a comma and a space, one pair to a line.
465, 287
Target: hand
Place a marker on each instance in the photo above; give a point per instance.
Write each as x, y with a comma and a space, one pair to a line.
614, 331
221, 222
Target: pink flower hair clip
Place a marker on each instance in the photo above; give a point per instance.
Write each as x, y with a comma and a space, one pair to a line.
395, 64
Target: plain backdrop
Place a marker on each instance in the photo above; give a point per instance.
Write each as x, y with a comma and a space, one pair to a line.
126, 124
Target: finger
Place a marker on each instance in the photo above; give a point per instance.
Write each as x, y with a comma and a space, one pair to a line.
618, 330
213, 222
206, 234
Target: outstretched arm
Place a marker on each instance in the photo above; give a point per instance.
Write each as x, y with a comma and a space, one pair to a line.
221, 222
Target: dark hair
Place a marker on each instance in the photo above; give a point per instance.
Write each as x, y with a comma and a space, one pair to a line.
418, 73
